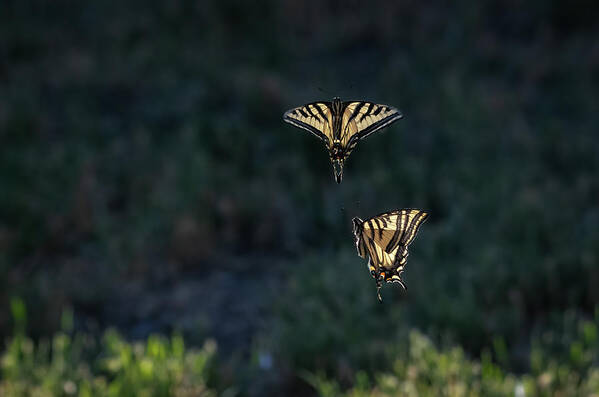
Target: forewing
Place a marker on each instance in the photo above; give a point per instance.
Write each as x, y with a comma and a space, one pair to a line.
391, 229
314, 117
361, 119
361, 246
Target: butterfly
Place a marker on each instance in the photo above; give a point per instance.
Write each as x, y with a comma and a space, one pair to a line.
385, 239
341, 125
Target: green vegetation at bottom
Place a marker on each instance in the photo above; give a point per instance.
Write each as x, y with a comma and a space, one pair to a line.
79, 364
428, 371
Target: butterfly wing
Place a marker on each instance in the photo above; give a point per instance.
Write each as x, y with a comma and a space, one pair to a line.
395, 228
379, 258
386, 238
340, 125
361, 119
313, 117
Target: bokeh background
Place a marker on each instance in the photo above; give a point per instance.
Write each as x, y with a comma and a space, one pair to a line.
163, 232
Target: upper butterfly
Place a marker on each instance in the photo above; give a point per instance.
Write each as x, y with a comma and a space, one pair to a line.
385, 239
341, 125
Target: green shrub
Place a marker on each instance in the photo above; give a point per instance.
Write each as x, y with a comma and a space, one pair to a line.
81, 365
424, 370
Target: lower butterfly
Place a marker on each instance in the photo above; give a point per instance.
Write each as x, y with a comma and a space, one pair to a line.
384, 239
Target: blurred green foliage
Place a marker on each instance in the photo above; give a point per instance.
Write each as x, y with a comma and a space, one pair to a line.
78, 364
148, 182
560, 364
424, 370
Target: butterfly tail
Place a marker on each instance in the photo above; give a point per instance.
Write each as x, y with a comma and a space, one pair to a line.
378, 289
338, 170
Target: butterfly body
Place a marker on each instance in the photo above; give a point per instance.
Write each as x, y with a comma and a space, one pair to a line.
340, 125
384, 239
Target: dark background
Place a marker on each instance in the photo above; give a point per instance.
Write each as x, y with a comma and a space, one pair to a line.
148, 182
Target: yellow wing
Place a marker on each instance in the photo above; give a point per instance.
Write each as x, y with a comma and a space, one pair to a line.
314, 117
380, 257
395, 228
361, 119
386, 265
385, 239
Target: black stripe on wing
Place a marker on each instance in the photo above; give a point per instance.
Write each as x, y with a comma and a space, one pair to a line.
307, 127
402, 218
378, 125
413, 227
368, 111
356, 110
307, 112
